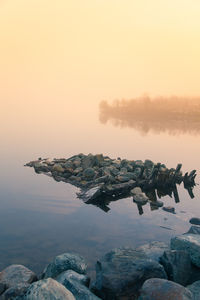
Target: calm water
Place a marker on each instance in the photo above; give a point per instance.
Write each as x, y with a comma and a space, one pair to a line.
41, 218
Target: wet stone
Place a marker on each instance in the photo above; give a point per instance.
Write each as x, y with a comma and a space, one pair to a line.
195, 221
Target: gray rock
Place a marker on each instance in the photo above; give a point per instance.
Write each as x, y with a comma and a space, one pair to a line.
15, 291
89, 173
136, 191
195, 221
194, 230
161, 289
58, 168
71, 275
80, 291
47, 289
141, 199
169, 209
88, 161
2, 287
64, 262
190, 243
157, 203
154, 250
17, 274
121, 272
177, 265
41, 167
195, 290
90, 194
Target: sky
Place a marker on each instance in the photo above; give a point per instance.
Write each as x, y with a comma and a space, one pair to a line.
61, 58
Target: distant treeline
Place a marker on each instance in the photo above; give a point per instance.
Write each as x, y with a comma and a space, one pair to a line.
174, 115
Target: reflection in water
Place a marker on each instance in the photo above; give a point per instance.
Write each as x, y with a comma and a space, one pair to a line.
173, 115
152, 194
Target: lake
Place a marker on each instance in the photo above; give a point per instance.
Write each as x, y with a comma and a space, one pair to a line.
41, 218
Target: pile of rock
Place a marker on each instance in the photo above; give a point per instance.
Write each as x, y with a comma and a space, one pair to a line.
153, 271
99, 175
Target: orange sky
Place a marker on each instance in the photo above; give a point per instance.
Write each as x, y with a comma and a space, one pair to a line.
58, 56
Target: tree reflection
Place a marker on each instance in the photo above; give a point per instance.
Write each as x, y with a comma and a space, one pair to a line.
173, 115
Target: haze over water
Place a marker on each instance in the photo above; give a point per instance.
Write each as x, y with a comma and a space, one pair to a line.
58, 61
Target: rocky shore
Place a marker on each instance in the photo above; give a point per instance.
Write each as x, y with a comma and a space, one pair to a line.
102, 179
153, 271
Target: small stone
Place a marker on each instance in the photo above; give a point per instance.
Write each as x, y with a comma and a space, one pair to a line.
141, 199
58, 168
89, 173
169, 209
157, 203
195, 221
161, 289
136, 191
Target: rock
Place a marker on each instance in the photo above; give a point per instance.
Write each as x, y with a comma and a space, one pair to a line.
157, 203
169, 209
48, 289
17, 274
121, 272
154, 250
136, 191
80, 291
89, 174
141, 199
195, 221
177, 265
71, 275
194, 230
88, 162
161, 289
40, 167
15, 291
64, 262
58, 168
2, 287
195, 290
90, 194
188, 242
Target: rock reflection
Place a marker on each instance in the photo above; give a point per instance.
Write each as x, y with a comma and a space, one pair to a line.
173, 115
153, 202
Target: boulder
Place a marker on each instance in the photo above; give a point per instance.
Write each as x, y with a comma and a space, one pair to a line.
47, 289
194, 229
161, 289
64, 262
17, 274
15, 291
195, 290
195, 221
121, 273
71, 275
188, 242
80, 291
2, 287
154, 250
177, 265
